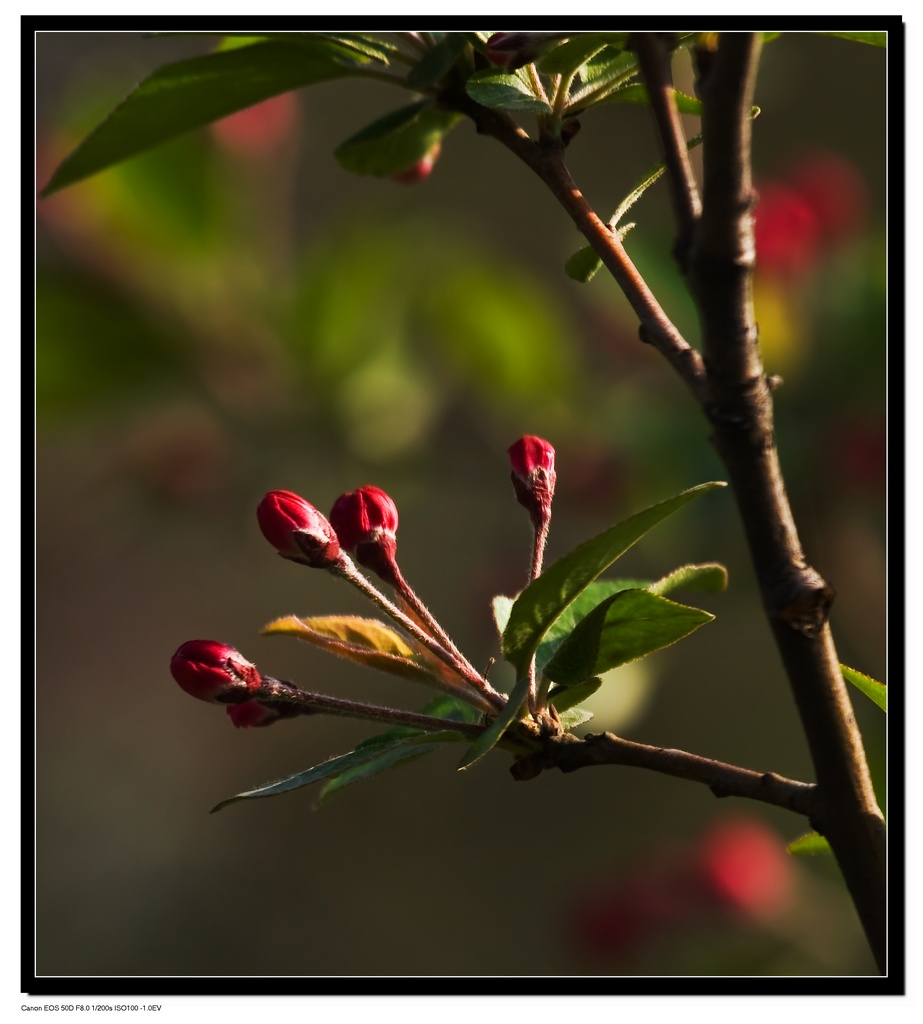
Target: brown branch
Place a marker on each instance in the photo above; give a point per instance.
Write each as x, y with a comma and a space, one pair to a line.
656, 70
795, 596
568, 753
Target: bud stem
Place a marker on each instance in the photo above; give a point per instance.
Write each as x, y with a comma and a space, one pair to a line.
320, 704
484, 696
539, 540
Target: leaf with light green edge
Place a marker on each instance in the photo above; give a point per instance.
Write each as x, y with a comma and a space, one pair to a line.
437, 62
501, 607
396, 141
502, 91
328, 769
872, 38
808, 845
191, 93
489, 739
709, 577
609, 69
874, 690
543, 600
624, 628
585, 263
571, 54
566, 697
392, 756
573, 717
363, 641
634, 92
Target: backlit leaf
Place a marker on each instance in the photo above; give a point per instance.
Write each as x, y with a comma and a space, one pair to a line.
396, 141
874, 690
503, 91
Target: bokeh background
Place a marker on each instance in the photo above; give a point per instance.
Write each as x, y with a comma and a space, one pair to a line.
233, 313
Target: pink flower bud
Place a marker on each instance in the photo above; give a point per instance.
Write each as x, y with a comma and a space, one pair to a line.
252, 713
533, 476
365, 521
297, 530
421, 170
214, 671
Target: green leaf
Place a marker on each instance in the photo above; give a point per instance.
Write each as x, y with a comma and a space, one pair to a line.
585, 263
872, 38
489, 739
573, 717
501, 607
637, 93
874, 690
326, 770
437, 62
191, 93
363, 641
503, 91
396, 141
709, 577
540, 604
566, 697
392, 756
568, 56
625, 627
809, 844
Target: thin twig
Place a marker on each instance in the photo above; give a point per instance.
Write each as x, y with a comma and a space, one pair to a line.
568, 753
657, 73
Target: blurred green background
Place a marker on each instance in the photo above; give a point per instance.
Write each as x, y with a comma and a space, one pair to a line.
233, 313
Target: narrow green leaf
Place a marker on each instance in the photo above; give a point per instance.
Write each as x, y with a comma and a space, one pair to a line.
637, 93
584, 265
503, 91
390, 756
566, 697
489, 739
569, 55
809, 844
396, 141
191, 93
437, 62
709, 577
624, 628
326, 770
573, 717
872, 38
545, 599
874, 690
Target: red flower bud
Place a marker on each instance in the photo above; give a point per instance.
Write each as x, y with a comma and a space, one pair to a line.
365, 521
512, 50
252, 713
533, 476
421, 170
297, 530
214, 671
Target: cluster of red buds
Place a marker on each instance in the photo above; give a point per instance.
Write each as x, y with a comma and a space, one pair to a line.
362, 525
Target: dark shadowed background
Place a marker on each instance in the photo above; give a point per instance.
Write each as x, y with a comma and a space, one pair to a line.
233, 313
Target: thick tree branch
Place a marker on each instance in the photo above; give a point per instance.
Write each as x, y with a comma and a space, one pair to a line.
794, 595
568, 753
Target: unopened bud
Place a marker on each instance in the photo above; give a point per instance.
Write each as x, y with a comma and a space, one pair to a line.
512, 50
533, 476
252, 713
297, 530
215, 672
365, 521
420, 170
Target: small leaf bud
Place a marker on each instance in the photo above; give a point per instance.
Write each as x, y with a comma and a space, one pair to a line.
365, 521
212, 671
297, 530
533, 476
